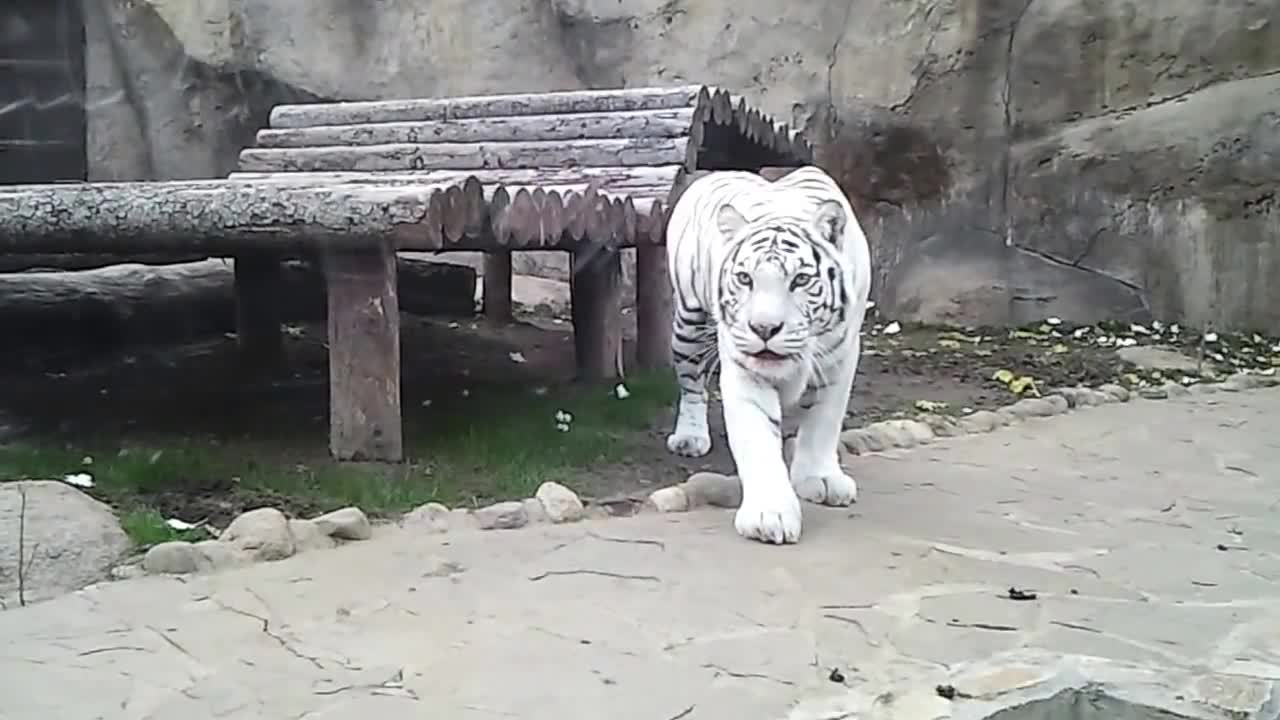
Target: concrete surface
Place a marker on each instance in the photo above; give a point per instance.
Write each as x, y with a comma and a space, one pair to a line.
1148, 532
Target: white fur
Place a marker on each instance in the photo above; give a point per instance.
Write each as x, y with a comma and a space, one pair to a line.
812, 392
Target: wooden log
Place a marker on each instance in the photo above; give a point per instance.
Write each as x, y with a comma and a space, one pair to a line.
132, 304
258, 284
497, 285
364, 356
88, 261
478, 106
595, 292
584, 126
653, 307
615, 179
468, 156
221, 217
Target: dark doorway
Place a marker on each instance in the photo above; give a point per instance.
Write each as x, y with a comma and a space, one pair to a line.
42, 91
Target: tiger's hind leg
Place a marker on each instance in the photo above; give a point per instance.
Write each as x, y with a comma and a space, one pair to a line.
815, 469
693, 351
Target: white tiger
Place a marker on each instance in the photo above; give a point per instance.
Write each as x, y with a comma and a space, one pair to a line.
771, 282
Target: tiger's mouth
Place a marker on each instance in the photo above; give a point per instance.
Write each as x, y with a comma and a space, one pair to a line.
768, 356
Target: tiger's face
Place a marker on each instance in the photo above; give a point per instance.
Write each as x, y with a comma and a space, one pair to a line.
781, 286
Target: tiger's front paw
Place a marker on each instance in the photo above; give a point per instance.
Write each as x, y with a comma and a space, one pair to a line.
833, 488
772, 517
689, 444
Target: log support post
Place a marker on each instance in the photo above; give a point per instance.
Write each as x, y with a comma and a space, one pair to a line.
259, 280
595, 290
653, 307
364, 356
497, 285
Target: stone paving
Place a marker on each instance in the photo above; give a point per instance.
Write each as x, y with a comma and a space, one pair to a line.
1141, 542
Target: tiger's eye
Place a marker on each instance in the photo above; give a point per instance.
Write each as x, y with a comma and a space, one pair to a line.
743, 278
800, 281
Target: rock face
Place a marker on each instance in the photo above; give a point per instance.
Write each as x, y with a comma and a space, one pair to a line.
68, 541
1011, 159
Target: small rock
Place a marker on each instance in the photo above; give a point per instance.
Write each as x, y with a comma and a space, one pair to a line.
349, 523
502, 516
1008, 416
1057, 404
714, 489
560, 503
1117, 393
668, 499
309, 535
596, 512
1153, 357
432, 517
1073, 395
918, 431
1174, 389
127, 572
1094, 397
463, 519
263, 533
855, 441
534, 511
1203, 389
213, 555
982, 421
1036, 407
940, 425
889, 435
175, 557
1153, 393
1245, 381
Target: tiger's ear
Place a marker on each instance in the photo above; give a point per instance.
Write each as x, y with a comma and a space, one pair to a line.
729, 220
830, 220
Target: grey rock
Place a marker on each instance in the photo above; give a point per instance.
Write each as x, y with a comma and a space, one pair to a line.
349, 523
431, 517
534, 511
714, 489
1204, 388
176, 557
214, 555
1008, 416
941, 425
502, 516
69, 540
1153, 392
1173, 389
262, 532
981, 421
860, 441
1154, 357
668, 499
309, 535
559, 502
1117, 393
1247, 381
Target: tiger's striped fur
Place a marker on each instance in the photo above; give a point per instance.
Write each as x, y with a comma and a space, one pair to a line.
770, 282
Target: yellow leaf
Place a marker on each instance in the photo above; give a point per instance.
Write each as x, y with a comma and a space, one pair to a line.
1060, 348
1019, 385
948, 343
1003, 376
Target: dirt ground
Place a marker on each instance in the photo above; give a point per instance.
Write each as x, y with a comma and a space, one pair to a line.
197, 389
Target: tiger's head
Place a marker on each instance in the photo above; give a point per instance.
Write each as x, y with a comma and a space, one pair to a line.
781, 286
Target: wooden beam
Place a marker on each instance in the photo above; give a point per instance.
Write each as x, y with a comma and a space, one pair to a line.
259, 280
595, 290
285, 216
584, 126
470, 156
653, 307
364, 356
497, 285
477, 106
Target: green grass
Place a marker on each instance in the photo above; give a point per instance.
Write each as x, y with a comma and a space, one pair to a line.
494, 444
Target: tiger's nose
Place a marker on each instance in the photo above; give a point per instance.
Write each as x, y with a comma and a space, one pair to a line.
765, 330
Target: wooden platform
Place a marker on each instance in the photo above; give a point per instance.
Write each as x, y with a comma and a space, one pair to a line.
584, 172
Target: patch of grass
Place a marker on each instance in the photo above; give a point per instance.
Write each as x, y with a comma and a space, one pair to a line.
147, 527
493, 444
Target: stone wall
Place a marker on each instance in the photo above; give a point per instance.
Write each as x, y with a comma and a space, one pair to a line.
1011, 159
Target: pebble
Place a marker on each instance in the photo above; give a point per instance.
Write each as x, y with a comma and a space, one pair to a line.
668, 499
982, 421
176, 557
714, 489
349, 523
431, 517
507, 515
263, 533
534, 511
941, 425
560, 503
1117, 393
308, 535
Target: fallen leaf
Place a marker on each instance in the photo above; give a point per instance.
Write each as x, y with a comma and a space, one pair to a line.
621, 391
516, 356
892, 328
1021, 384
1004, 376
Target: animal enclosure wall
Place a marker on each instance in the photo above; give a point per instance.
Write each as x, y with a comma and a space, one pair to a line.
42, 74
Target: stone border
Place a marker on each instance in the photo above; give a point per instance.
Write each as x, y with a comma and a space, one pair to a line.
265, 534
717, 490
